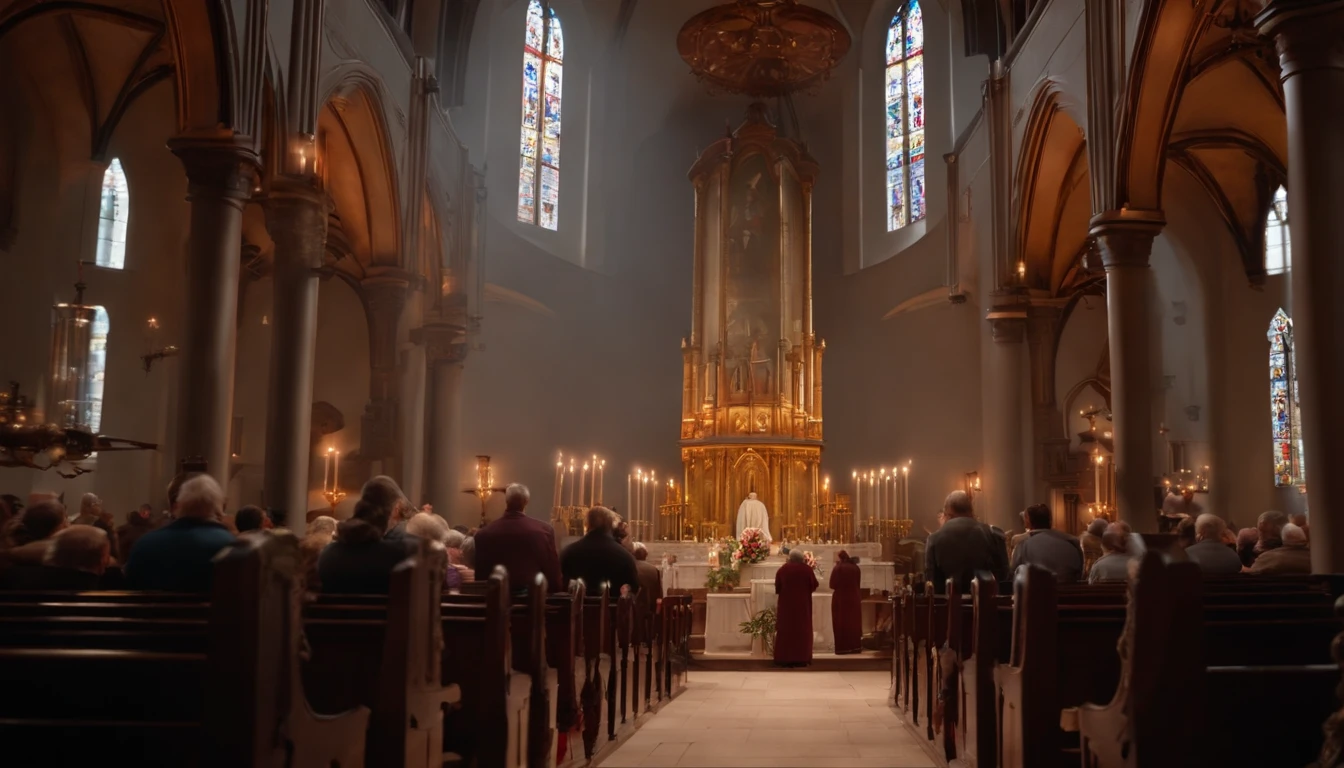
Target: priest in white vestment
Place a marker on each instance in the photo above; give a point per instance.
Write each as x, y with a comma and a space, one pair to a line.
752, 514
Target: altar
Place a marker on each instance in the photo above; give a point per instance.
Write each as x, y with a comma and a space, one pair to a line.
725, 612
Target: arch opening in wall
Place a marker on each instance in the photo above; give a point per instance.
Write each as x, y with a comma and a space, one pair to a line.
1285, 413
905, 192
114, 216
539, 144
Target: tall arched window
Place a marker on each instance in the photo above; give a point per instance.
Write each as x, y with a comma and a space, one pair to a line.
905, 117
1278, 247
1289, 458
114, 213
93, 415
543, 75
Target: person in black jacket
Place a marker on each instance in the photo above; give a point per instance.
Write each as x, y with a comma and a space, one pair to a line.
598, 558
359, 561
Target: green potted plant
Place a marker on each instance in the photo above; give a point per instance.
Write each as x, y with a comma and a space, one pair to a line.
723, 579
762, 626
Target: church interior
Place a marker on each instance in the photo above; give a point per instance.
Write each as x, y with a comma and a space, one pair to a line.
848, 290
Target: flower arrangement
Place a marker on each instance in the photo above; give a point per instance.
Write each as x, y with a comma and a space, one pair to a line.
753, 547
812, 563
723, 579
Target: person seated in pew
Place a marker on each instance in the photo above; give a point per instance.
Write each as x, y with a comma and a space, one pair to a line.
962, 546
1114, 565
650, 582
524, 546
1090, 541
77, 559
251, 518
92, 512
179, 557
359, 561
1293, 557
138, 522
1045, 547
1269, 528
31, 532
453, 542
431, 527
596, 558
1300, 520
1213, 557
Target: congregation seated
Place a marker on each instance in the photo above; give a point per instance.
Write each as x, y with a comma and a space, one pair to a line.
77, 558
1114, 565
178, 557
597, 558
360, 559
1090, 541
1047, 548
525, 547
1269, 530
1293, 557
138, 522
1210, 551
962, 546
29, 533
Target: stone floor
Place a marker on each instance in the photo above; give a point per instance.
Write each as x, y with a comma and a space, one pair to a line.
777, 718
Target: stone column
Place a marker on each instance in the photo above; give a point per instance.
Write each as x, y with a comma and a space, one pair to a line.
384, 304
413, 375
1126, 241
220, 178
296, 215
1003, 420
1047, 424
1307, 34
446, 351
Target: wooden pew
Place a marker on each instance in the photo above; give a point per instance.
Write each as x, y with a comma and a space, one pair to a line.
1275, 684
597, 626
220, 687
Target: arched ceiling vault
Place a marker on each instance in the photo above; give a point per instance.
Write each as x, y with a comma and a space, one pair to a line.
1051, 196
360, 177
1204, 95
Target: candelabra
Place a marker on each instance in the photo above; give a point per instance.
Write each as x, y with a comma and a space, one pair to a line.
485, 484
155, 352
331, 477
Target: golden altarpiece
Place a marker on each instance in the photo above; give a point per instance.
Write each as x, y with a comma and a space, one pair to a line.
751, 418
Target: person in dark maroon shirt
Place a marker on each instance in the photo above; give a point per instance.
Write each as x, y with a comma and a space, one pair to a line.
525, 547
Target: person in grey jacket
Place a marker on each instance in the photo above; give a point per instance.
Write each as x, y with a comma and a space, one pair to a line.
1045, 547
1209, 552
962, 547
1114, 565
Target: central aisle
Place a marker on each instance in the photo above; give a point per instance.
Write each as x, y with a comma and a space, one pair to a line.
783, 718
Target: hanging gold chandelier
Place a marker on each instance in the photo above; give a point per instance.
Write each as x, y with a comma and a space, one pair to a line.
762, 48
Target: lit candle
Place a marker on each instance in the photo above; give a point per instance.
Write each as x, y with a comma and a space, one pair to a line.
1096, 476
326, 470
628, 510
858, 515
336, 472
559, 479
602, 483
571, 482
905, 483
592, 484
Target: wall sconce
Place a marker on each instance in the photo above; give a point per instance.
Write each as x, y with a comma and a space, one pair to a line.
155, 352
973, 486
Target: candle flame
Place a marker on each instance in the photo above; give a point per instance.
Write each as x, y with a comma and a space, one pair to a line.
330, 449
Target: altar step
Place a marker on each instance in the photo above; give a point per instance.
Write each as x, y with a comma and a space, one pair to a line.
821, 662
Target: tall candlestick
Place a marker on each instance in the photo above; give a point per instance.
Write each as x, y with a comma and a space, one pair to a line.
326, 470
585, 491
628, 510
905, 481
602, 483
571, 482
336, 472
1096, 477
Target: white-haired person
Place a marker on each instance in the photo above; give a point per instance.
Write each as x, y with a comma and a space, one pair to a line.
1293, 557
1209, 552
431, 527
179, 556
92, 512
524, 546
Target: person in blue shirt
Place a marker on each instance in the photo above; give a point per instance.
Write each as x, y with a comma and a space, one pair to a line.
179, 557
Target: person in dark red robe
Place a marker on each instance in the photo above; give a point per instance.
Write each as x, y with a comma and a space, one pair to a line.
846, 605
794, 585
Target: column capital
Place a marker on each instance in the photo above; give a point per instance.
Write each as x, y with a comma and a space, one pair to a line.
445, 344
1007, 324
217, 168
1125, 237
1308, 34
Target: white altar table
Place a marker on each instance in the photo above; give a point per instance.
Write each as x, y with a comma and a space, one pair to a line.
724, 614
876, 576
698, 551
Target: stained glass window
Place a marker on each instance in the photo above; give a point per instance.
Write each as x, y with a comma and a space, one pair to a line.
114, 214
1278, 247
93, 415
905, 117
1286, 417
543, 76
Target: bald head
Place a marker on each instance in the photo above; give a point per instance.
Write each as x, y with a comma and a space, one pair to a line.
958, 504
80, 547
1098, 527
796, 556
90, 505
